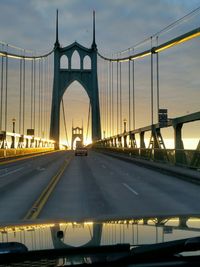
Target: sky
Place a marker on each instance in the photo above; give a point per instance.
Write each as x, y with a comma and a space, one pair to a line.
119, 25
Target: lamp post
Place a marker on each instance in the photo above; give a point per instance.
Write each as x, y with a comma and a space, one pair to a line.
13, 121
13, 137
125, 136
125, 121
104, 134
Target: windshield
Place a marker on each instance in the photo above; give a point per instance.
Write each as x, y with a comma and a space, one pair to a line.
99, 122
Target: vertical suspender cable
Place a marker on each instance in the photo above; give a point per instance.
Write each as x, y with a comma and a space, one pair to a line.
43, 95
105, 97
133, 69
120, 95
158, 85
6, 94
1, 108
117, 99
112, 101
20, 95
24, 100
64, 119
129, 95
41, 113
100, 92
151, 85
88, 121
34, 86
46, 95
107, 109
39, 94
31, 94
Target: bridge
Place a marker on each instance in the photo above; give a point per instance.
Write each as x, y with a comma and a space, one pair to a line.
129, 169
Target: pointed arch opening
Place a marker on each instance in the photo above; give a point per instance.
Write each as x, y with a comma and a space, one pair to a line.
87, 63
64, 62
76, 107
75, 61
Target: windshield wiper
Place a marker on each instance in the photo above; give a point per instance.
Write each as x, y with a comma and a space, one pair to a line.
98, 253
168, 248
113, 255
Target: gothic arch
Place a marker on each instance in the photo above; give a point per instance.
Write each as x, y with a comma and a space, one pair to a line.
64, 62
87, 63
75, 60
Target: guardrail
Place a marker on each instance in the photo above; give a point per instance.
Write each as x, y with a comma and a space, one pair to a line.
6, 153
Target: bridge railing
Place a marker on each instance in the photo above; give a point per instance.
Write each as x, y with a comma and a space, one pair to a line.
182, 157
14, 152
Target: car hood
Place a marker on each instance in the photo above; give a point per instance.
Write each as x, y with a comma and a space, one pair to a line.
50, 234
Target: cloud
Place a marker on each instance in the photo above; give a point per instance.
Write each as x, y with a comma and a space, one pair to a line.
119, 24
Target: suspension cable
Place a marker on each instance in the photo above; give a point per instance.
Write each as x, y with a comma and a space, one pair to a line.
23, 97
20, 94
2, 80
45, 95
129, 95
31, 94
49, 98
157, 82
120, 95
88, 120
107, 98
164, 30
39, 93
112, 100
105, 95
157, 49
42, 111
6, 94
117, 99
151, 87
133, 88
64, 119
17, 56
34, 93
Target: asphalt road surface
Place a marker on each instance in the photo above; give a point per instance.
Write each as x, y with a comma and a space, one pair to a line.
99, 186
93, 187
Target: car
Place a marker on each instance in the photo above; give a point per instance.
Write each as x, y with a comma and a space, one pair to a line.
81, 151
136, 241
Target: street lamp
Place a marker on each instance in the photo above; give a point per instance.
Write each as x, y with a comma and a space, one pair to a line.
13, 137
104, 134
125, 121
13, 121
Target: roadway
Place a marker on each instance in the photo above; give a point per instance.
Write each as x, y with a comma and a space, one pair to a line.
92, 187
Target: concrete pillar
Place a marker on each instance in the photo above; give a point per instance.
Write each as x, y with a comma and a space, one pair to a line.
180, 157
3, 139
125, 140
119, 141
27, 143
13, 142
142, 144
115, 142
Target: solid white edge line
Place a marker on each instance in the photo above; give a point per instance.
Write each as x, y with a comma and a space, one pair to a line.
7, 173
131, 189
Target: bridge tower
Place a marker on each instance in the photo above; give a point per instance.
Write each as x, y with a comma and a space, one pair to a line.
64, 77
77, 132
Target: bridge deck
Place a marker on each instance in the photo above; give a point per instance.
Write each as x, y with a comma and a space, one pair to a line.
93, 187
